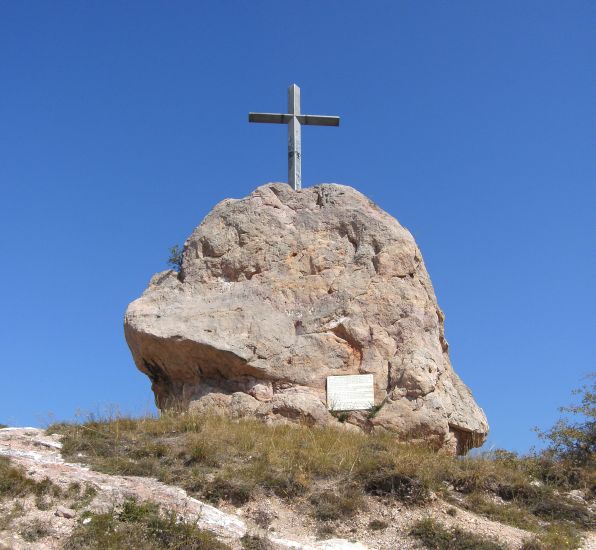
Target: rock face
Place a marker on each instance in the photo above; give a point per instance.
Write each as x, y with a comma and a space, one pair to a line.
283, 288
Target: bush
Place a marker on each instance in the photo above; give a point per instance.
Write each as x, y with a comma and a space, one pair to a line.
436, 537
378, 525
575, 440
403, 487
329, 506
176, 257
252, 542
36, 529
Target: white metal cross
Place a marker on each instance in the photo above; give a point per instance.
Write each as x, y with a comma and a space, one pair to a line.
294, 120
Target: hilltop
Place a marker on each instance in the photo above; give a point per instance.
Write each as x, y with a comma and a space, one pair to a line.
208, 482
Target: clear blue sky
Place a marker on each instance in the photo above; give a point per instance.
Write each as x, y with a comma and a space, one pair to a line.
123, 123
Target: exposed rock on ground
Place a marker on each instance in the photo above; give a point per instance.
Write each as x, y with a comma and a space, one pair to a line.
283, 288
270, 518
40, 455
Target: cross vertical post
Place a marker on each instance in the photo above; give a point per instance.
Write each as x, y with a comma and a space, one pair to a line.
295, 120
294, 139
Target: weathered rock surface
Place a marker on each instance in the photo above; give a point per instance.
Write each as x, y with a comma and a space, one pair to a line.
283, 288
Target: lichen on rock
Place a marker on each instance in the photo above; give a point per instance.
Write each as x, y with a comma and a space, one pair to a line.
283, 288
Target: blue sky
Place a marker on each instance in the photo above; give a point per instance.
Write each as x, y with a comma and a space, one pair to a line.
123, 123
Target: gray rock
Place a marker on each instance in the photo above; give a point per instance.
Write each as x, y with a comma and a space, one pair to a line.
64, 512
283, 288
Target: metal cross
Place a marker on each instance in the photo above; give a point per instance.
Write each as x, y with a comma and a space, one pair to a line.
294, 120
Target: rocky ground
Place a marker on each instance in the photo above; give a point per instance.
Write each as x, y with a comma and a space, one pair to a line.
30, 522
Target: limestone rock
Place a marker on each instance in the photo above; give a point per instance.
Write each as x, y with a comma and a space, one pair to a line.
283, 288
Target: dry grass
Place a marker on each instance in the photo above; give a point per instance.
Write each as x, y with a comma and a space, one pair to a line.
35, 530
557, 536
14, 483
220, 459
435, 536
139, 527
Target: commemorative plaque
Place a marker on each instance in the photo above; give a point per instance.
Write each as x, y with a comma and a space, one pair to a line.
350, 393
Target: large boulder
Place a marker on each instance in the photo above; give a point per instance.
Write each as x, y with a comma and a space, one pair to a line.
283, 288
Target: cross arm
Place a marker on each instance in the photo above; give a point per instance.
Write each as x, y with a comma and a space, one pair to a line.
275, 118
318, 120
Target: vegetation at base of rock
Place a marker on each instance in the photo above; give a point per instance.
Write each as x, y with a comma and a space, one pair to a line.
139, 526
220, 459
435, 536
375, 409
14, 483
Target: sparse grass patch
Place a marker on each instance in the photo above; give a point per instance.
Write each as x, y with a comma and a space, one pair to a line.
558, 536
436, 537
341, 416
14, 483
252, 542
378, 525
8, 516
220, 459
36, 529
330, 506
375, 409
139, 526
509, 513
227, 487
79, 495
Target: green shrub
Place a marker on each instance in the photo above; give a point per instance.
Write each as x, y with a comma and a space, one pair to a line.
408, 489
378, 525
139, 526
329, 506
229, 488
252, 542
176, 257
575, 440
436, 537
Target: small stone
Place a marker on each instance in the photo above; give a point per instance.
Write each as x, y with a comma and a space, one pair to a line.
577, 495
63, 512
86, 521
